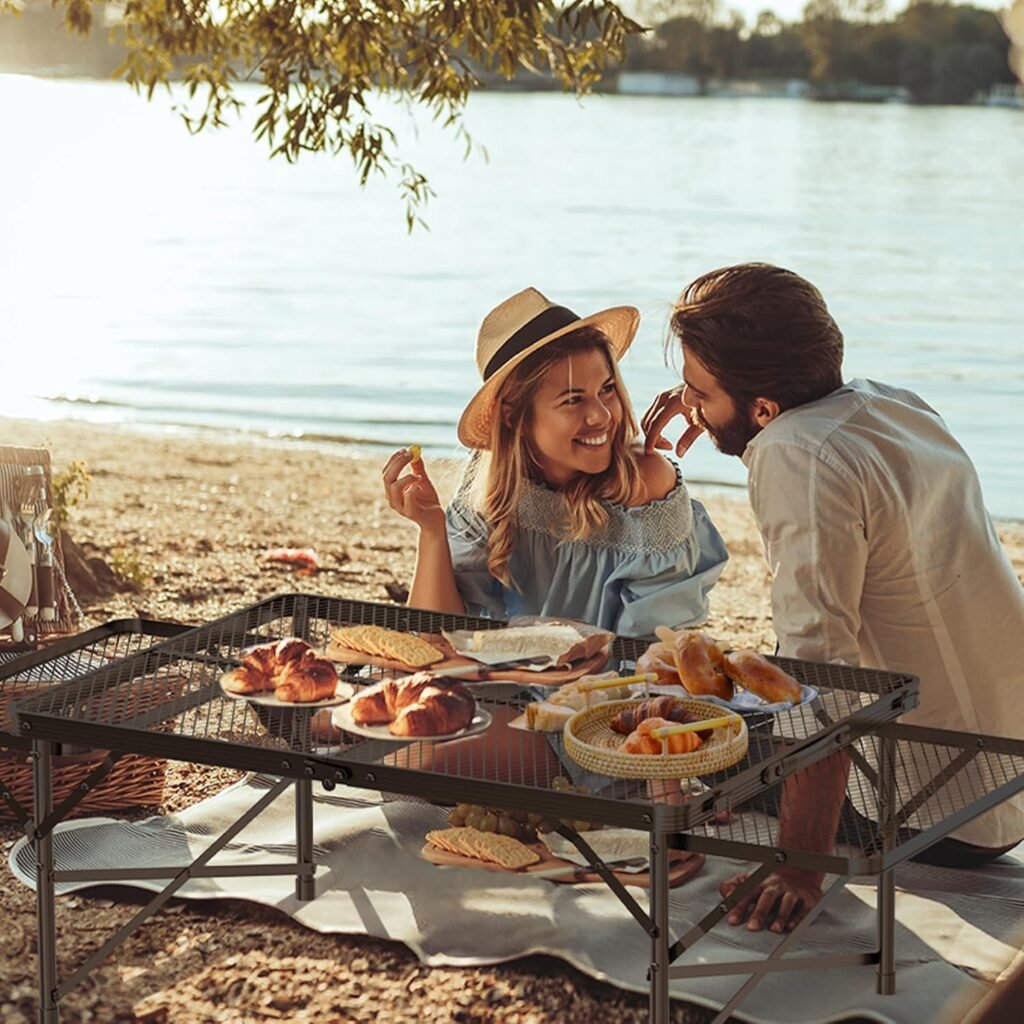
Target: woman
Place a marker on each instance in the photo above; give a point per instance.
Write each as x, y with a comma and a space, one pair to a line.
559, 511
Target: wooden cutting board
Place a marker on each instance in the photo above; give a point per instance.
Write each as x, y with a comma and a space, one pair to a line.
683, 867
549, 677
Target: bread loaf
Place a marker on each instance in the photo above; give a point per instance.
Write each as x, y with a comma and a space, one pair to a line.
754, 672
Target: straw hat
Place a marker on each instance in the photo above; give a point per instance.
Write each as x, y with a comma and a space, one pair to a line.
517, 328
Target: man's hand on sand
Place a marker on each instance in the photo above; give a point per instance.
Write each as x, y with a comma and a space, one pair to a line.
665, 408
780, 902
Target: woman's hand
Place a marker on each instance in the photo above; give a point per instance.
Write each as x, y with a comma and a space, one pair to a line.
665, 408
413, 495
781, 901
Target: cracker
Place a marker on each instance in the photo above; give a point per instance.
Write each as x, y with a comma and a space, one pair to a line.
410, 650
505, 851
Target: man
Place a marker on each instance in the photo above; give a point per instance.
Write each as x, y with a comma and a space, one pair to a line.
880, 549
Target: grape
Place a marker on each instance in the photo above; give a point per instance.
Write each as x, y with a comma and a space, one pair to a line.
546, 826
474, 819
456, 817
534, 819
488, 823
522, 816
508, 826
464, 809
560, 782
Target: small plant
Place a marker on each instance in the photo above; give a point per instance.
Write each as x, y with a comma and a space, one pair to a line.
70, 486
129, 568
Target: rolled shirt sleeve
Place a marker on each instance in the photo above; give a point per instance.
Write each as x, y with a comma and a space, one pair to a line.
813, 527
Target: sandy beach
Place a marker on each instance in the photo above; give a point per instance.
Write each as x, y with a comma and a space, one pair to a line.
192, 517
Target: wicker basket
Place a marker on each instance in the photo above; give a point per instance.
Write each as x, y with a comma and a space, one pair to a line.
134, 781
592, 744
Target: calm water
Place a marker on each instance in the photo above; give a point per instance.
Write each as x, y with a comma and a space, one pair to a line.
148, 276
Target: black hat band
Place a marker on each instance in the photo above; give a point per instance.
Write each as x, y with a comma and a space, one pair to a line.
552, 319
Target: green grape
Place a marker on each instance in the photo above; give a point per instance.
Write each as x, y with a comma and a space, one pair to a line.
464, 809
488, 823
456, 817
582, 790
521, 816
560, 782
534, 819
474, 819
544, 826
580, 826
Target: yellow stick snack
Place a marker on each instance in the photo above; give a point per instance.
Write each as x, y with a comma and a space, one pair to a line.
416, 452
707, 723
607, 684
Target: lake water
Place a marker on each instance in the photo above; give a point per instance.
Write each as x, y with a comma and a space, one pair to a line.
147, 276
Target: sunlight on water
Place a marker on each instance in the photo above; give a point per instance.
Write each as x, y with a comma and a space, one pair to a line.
151, 276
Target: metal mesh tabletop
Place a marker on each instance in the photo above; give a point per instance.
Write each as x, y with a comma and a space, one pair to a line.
113, 706
26, 673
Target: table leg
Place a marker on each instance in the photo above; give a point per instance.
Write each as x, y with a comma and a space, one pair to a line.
659, 865
46, 921
305, 884
887, 879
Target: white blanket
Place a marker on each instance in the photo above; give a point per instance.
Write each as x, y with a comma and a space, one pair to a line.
952, 926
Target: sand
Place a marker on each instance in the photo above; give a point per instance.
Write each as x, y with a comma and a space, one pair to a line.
190, 517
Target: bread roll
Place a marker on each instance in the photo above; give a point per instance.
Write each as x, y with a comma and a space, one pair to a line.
754, 672
701, 665
659, 659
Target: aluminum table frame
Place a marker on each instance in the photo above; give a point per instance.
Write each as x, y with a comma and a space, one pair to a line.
197, 724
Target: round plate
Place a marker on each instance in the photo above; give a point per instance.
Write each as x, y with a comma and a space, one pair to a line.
265, 698
16, 581
342, 718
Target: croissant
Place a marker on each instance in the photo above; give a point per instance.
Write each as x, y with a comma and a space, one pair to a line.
289, 667
701, 666
754, 672
418, 705
666, 707
640, 741
261, 659
436, 715
309, 680
247, 680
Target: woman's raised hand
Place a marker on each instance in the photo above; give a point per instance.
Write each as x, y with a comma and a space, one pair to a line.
412, 495
665, 408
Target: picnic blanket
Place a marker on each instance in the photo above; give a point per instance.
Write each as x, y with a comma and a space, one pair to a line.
953, 927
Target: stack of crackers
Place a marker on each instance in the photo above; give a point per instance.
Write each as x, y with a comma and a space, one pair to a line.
384, 643
505, 851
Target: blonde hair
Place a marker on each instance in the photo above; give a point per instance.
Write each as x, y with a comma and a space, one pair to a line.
494, 479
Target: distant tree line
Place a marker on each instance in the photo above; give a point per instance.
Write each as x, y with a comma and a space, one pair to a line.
937, 52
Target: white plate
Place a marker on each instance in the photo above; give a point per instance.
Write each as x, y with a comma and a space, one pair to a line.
342, 718
747, 703
265, 698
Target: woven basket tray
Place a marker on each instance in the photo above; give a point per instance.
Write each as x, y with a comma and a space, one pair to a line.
592, 744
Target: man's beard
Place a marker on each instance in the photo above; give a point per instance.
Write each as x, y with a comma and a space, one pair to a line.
733, 438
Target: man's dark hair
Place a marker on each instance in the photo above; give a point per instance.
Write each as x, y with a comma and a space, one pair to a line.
761, 331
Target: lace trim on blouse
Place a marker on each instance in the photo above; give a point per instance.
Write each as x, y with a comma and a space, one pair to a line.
664, 524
